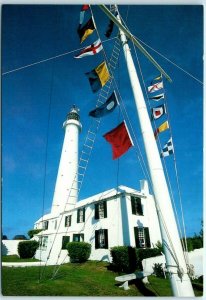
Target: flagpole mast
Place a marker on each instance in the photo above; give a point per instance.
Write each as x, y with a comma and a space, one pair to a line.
175, 261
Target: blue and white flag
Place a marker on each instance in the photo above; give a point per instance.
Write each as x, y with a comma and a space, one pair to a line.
168, 149
105, 108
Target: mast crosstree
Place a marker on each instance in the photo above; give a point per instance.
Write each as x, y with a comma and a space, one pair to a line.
175, 261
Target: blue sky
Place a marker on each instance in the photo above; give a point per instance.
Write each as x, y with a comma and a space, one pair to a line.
31, 33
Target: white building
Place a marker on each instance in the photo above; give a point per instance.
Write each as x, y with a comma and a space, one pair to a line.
116, 217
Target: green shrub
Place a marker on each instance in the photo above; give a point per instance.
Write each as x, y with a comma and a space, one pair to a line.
128, 259
79, 251
32, 232
158, 270
146, 253
27, 249
124, 258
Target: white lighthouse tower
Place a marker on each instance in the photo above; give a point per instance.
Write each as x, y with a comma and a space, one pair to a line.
66, 188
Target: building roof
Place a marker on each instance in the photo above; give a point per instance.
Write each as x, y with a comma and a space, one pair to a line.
107, 194
101, 196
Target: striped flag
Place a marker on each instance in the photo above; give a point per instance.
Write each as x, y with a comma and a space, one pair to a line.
155, 87
157, 97
158, 111
161, 128
86, 30
82, 12
92, 49
168, 149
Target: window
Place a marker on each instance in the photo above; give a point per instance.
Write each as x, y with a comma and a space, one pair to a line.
65, 240
78, 237
43, 242
101, 239
68, 221
100, 210
142, 238
136, 206
81, 215
55, 224
45, 225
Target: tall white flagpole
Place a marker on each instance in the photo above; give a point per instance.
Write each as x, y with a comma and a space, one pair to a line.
175, 261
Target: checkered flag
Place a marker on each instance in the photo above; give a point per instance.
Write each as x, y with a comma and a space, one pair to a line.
167, 149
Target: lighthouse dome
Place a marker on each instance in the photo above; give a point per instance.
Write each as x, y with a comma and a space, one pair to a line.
73, 114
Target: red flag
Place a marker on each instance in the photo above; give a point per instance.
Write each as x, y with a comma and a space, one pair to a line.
120, 140
84, 7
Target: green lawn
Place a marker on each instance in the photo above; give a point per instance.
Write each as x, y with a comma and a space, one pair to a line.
15, 258
87, 279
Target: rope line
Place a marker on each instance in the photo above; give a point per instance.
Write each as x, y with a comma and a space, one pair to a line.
157, 206
69, 52
46, 158
170, 61
50, 58
168, 179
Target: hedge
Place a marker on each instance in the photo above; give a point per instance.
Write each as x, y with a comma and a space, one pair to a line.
124, 258
128, 259
79, 251
27, 249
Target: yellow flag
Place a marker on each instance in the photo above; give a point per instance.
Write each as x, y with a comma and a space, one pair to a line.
102, 73
164, 126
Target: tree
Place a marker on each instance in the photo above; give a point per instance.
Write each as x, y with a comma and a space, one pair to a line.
19, 237
4, 237
32, 232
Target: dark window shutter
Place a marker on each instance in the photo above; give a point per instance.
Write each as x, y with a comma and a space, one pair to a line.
65, 240
136, 235
65, 224
82, 237
84, 214
106, 238
96, 239
105, 209
78, 216
96, 213
147, 237
133, 205
139, 206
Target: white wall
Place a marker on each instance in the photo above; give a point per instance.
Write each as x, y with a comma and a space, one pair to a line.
195, 259
120, 223
148, 219
9, 247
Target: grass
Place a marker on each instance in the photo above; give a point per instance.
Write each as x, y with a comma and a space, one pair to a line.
15, 258
87, 279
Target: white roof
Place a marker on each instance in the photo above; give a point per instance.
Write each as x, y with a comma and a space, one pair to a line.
104, 195
108, 194
46, 217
